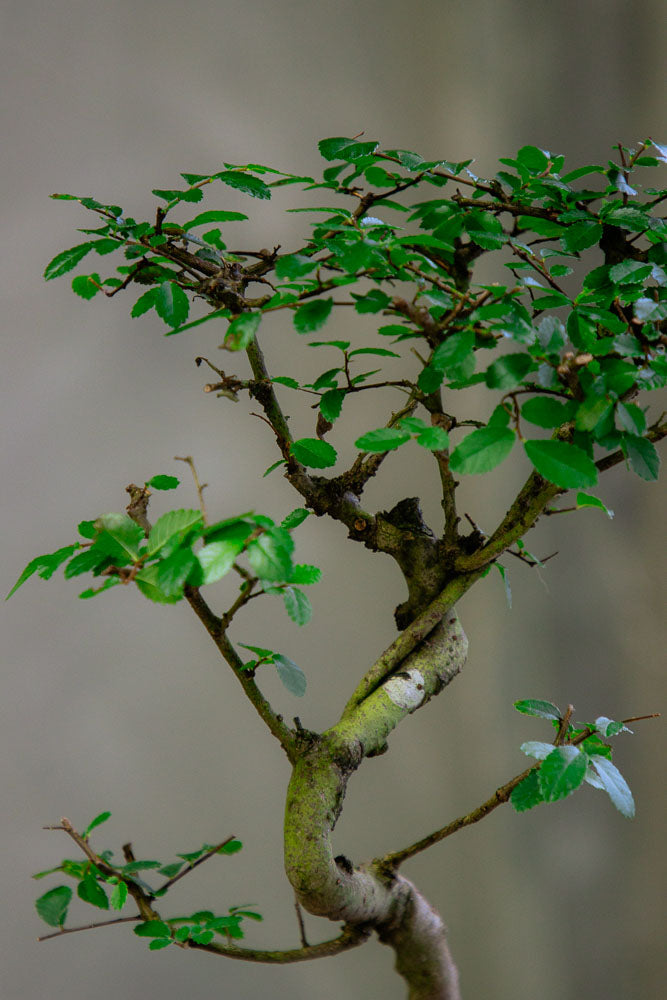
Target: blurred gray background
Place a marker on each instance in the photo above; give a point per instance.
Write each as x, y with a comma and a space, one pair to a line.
121, 704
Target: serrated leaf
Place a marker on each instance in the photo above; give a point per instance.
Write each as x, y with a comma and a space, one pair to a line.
331, 404
562, 772
312, 315
45, 566
383, 439
119, 535
561, 463
90, 891
540, 709
101, 818
291, 675
295, 265
171, 303
53, 905
509, 371
586, 500
172, 527
614, 784
163, 482
482, 450
217, 558
545, 411
118, 896
642, 455
174, 570
144, 303
313, 453
215, 215
433, 438
86, 285
270, 555
147, 580
297, 605
303, 574
536, 749
241, 331
245, 182
153, 929
294, 518
527, 793
68, 259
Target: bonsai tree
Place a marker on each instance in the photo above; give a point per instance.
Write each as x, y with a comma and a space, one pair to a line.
553, 357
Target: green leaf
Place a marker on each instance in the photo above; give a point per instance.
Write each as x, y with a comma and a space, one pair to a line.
216, 314
270, 555
144, 303
545, 411
118, 896
586, 500
506, 582
312, 315
314, 453
217, 558
172, 528
543, 227
147, 580
482, 450
45, 566
119, 535
231, 847
214, 216
540, 709
561, 463
86, 285
158, 943
174, 570
509, 371
297, 605
90, 891
291, 675
536, 749
253, 186
614, 784
581, 235
433, 438
533, 159
102, 818
153, 929
241, 331
294, 518
527, 793
90, 560
295, 265
562, 772
383, 439
52, 906
331, 404
68, 259
163, 482
373, 302
304, 574
642, 456
171, 303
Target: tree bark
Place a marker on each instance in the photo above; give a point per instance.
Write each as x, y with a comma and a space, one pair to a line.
369, 895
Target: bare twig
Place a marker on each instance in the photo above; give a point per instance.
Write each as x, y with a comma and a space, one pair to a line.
200, 487
302, 928
89, 927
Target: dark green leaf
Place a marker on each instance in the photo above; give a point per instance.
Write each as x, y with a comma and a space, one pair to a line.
314, 453
482, 450
90, 891
52, 906
214, 216
533, 159
331, 404
171, 303
540, 709
312, 315
241, 331
163, 482
509, 371
145, 302
216, 314
562, 772
527, 793
586, 500
295, 265
642, 456
102, 818
581, 235
68, 259
153, 929
86, 285
561, 463
545, 411
245, 182
373, 302
174, 570
291, 675
147, 580
294, 518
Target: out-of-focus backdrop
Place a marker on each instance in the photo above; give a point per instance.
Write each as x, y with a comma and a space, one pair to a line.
121, 704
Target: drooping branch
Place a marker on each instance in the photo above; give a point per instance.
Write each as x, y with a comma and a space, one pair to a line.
351, 937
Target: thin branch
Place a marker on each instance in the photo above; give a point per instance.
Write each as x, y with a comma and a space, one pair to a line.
299, 917
191, 867
351, 937
89, 927
200, 487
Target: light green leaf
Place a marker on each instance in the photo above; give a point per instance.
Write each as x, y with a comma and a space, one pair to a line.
241, 331
270, 555
217, 558
118, 896
172, 527
295, 265
536, 749
119, 535
433, 438
86, 285
540, 709
291, 675
561, 463
586, 500
153, 929
174, 570
482, 450
562, 772
214, 216
147, 580
614, 784
53, 905
383, 439
294, 518
303, 574
298, 605
314, 453
101, 818
90, 891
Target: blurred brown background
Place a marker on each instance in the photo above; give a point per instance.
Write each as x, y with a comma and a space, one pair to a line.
121, 704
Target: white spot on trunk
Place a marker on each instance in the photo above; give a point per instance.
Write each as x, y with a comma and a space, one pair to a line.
406, 689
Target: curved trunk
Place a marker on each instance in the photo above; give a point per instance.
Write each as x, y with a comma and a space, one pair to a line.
371, 895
